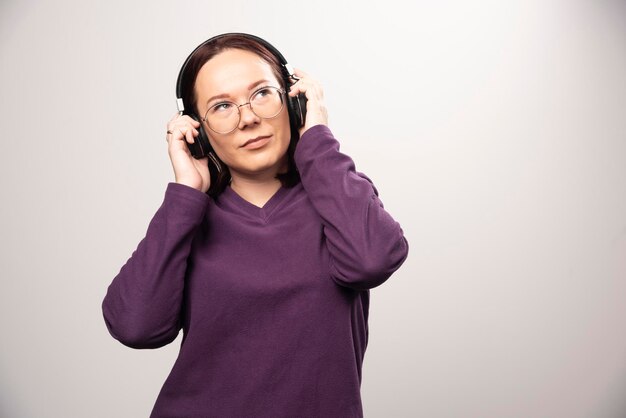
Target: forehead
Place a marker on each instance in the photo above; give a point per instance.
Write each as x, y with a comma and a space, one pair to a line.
231, 72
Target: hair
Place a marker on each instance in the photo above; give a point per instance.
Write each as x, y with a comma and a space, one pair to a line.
220, 178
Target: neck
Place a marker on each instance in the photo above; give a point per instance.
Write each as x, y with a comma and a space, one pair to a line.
256, 189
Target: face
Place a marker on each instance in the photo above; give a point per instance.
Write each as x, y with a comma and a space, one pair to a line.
234, 75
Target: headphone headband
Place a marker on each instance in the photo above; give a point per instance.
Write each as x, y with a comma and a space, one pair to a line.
179, 94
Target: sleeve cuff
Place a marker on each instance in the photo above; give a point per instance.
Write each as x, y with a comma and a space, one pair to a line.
186, 199
315, 130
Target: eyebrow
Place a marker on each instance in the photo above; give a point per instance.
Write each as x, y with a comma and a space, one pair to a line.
224, 95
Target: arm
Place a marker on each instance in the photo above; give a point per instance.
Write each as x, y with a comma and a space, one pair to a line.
142, 306
366, 244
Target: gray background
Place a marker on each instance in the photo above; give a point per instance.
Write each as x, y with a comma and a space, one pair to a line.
495, 132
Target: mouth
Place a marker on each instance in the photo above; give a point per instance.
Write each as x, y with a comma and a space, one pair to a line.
253, 140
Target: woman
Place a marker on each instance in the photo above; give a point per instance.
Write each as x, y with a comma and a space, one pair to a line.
263, 252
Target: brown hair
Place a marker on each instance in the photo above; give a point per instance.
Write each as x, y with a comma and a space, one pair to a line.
221, 178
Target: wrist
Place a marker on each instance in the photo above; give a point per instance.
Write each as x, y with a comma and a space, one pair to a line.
188, 183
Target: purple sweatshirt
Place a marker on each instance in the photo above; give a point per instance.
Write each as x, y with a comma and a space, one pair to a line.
273, 302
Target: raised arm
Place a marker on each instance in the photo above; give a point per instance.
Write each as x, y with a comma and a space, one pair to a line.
143, 303
365, 243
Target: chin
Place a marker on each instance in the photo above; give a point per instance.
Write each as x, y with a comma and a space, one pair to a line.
272, 154
260, 163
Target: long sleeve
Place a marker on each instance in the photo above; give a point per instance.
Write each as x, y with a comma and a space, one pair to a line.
365, 243
142, 305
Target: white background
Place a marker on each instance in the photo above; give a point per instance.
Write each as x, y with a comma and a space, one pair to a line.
495, 132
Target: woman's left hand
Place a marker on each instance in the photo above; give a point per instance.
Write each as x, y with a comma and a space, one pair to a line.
316, 113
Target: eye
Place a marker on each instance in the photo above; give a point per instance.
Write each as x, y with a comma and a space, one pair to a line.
221, 107
263, 93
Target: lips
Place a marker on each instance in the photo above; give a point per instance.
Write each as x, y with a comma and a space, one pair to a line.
258, 138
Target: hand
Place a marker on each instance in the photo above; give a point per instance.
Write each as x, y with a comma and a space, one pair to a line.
187, 170
316, 113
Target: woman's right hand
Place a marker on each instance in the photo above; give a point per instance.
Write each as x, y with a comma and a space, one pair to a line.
187, 170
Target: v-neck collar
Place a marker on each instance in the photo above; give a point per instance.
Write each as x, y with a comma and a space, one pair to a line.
251, 209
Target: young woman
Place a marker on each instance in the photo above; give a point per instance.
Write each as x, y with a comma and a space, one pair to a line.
263, 252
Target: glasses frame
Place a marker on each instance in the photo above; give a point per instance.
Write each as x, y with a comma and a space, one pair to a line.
280, 91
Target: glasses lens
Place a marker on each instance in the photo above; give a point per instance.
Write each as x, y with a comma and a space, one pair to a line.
224, 117
267, 102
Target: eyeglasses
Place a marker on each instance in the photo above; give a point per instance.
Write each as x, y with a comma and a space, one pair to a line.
224, 117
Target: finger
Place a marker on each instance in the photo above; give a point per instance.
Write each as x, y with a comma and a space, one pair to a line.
177, 143
182, 121
189, 120
184, 128
297, 88
171, 126
182, 125
170, 123
189, 136
308, 88
312, 89
173, 118
173, 138
299, 73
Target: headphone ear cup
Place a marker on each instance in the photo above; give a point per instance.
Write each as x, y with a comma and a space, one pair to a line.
297, 110
201, 146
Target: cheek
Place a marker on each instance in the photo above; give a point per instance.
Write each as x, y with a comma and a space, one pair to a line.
284, 127
221, 148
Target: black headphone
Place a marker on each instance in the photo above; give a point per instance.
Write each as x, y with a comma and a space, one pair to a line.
296, 106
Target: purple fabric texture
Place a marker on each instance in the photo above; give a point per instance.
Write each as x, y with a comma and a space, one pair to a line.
273, 302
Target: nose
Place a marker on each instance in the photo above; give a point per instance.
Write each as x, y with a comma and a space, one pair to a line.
247, 116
